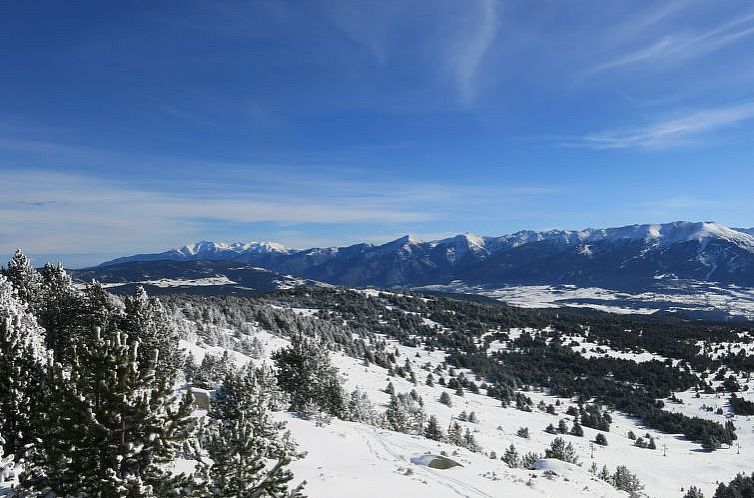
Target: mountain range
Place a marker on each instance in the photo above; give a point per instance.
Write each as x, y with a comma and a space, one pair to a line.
631, 257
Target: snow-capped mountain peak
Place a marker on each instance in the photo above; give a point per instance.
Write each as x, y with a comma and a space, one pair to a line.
207, 246
620, 256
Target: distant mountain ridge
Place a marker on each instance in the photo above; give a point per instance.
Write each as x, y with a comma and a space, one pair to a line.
631, 256
206, 249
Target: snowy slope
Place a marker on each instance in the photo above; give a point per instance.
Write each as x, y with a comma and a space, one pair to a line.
348, 459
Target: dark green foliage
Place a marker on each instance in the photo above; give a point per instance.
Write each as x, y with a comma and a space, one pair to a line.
561, 450
22, 362
577, 430
562, 426
113, 429
740, 487
511, 457
625, 480
693, 492
433, 430
305, 373
741, 406
25, 279
244, 438
145, 320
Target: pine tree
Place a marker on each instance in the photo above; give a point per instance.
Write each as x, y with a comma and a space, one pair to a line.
561, 450
405, 414
25, 279
605, 475
523, 432
601, 439
652, 445
396, 416
304, 372
360, 408
469, 441
433, 430
694, 492
59, 309
455, 434
244, 438
511, 458
562, 426
577, 430
473, 418
146, 321
529, 460
625, 480
114, 431
445, 399
22, 360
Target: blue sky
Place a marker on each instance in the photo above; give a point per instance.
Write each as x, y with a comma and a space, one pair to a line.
140, 126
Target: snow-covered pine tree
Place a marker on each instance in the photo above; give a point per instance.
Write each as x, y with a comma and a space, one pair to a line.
59, 306
625, 480
577, 430
22, 357
7, 464
562, 451
250, 452
455, 434
396, 416
605, 475
25, 279
147, 321
562, 426
469, 441
305, 373
361, 409
694, 492
433, 430
114, 429
511, 458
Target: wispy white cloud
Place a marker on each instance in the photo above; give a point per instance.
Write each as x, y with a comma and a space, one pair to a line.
678, 130
679, 46
458, 36
479, 32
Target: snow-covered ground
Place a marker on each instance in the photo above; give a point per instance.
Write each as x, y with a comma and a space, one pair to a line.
690, 296
347, 459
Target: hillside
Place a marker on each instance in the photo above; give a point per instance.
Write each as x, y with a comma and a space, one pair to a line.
382, 392
344, 454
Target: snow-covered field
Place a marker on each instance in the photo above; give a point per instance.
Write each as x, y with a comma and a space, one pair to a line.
691, 296
347, 459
